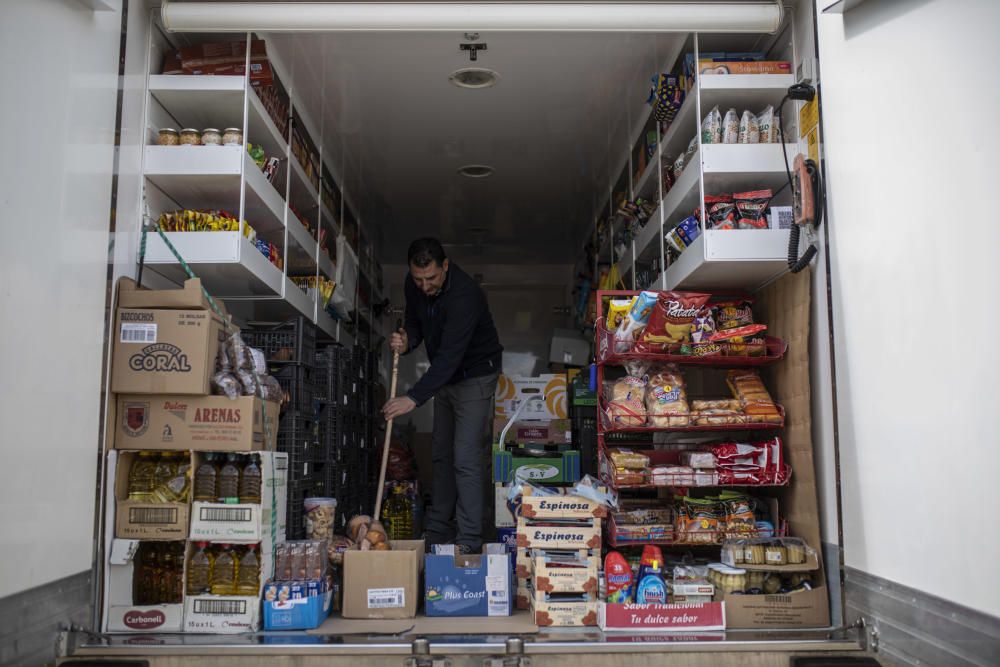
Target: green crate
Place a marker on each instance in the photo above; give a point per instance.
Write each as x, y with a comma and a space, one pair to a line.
554, 467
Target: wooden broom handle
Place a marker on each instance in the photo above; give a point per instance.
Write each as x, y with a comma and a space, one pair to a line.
388, 434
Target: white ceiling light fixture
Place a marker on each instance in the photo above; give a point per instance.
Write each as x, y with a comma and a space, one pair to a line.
474, 77
476, 170
755, 16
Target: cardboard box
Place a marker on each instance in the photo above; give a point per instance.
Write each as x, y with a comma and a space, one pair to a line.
539, 432
501, 515
472, 585
522, 600
554, 577
383, 584
508, 538
202, 423
707, 66
804, 609
512, 391
568, 347
165, 341
661, 617
562, 506
300, 614
524, 567
553, 467
136, 520
560, 614
246, 523
227, 614
120, 614
538, 534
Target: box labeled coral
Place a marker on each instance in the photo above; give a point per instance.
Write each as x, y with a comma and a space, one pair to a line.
560, 506
552, 535
246, 522
468, 585
545, 395
121, 613
145, 509
203, 423
557, 613
383, 584
165, 341
662, 617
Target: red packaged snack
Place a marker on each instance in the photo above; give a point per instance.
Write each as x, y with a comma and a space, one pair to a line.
619, 578
741, 332
752, 208
673, 317
721, 212
733, 313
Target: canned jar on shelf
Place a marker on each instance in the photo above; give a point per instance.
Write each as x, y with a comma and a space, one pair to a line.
190, 137
168, 136
232, 136
211, 137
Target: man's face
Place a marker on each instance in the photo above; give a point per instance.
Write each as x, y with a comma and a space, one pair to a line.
430, 279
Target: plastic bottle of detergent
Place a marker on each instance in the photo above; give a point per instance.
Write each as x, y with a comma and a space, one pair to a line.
618, 575
651, 589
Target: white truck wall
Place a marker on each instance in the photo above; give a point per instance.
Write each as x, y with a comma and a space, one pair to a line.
909, 95
58, 113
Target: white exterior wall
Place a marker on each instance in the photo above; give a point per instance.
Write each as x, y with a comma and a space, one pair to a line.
58, 113
910, 95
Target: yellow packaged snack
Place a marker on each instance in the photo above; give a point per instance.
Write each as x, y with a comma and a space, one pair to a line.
617, 311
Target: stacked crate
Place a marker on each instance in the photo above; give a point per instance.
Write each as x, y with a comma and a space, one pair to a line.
558, 557
583, 416
347, 421
290, 349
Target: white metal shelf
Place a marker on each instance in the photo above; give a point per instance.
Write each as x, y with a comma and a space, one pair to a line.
227, 263
301, 194
729, 259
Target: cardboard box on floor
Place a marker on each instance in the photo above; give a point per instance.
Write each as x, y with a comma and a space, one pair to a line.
383, 584
120, 615
201, 423
165, 341
512, 391
470, 585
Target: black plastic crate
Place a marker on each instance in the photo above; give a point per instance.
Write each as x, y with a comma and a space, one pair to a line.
297, 381
298, 434
297, 493
293, 340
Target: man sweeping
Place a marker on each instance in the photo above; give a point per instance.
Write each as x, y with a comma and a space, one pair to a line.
447, 311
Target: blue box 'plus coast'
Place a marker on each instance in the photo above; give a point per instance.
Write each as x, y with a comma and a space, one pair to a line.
472, 585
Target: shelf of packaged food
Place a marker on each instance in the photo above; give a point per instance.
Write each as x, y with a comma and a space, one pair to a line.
217, 101
301, 193
744, 425
329, 219
729, 259
227, 263
326, 266
728, 355
207, 177
304, 248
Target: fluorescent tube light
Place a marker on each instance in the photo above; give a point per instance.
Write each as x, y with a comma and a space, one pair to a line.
755, 17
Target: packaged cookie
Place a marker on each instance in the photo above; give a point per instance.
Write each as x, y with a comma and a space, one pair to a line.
749, 130
731, 127
765, 124
711, 127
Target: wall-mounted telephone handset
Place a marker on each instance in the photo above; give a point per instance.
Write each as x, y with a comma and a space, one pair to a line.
807, 190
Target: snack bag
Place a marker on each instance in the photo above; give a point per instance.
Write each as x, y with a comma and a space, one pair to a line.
618, 310
733, 313
743, 341
749, 130
697, 521
752, 208
721, 212
767, 127
666, 399
634, 323
740, 520
711, 127
224, 383
731, 127
673, 317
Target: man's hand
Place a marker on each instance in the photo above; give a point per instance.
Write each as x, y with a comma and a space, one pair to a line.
398, 407
399, 343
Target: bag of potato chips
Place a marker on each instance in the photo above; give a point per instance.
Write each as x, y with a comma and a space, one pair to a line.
672, 319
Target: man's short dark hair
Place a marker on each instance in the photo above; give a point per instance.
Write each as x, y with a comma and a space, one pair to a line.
424, 251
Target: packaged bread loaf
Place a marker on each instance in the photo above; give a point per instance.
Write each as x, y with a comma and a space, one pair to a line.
748, 388
628, 459
626, 397
666, 399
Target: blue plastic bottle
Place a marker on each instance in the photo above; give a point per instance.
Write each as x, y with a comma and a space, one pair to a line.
651, 589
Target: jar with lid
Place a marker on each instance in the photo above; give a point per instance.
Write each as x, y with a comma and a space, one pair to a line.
232, 136
755, 580
168, 136
739, 580
211, 137
190, 137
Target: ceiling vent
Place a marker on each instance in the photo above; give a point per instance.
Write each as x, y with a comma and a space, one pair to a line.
476, 171
474, 77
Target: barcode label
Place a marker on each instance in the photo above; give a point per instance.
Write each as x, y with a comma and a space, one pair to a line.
239, 514
152, 515
386, 598
138, 333
782, 217
220, 606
